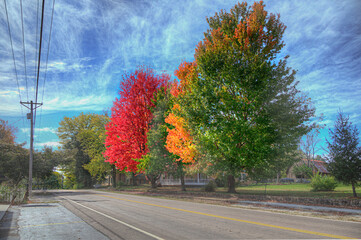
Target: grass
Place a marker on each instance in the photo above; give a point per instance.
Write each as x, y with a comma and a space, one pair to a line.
298, 190
293, 190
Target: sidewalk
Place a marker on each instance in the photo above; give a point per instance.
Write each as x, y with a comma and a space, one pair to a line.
3, 209
302, 207
44, 220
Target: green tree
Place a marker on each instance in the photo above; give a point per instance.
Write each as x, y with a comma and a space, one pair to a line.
344, 152
14, 158
44, 162
83, 137
244, 106
92, 140
284, 161
158, 160
303, 171
67, 167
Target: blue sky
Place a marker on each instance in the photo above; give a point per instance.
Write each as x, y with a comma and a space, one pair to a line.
93, 42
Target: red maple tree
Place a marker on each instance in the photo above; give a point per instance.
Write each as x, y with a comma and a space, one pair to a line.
131, 114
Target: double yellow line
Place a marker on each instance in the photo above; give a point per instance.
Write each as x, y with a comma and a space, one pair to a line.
235, 219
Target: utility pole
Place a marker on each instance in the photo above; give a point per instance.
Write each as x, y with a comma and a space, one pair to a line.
30, 116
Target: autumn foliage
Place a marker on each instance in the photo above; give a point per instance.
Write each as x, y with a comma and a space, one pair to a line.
179, 141
131, 114
255, 33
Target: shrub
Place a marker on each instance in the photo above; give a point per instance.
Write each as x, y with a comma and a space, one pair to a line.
220, 181
323, 183
210, 187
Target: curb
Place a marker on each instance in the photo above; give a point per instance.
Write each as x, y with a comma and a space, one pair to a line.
301, 207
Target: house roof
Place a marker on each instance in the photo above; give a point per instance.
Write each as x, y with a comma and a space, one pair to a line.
321, 166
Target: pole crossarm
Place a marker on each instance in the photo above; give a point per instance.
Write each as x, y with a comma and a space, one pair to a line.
35, 105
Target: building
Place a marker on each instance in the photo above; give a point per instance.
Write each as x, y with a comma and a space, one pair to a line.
316, 165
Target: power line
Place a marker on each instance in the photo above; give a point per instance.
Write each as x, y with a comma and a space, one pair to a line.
12, 49
47, 57
39, 58
22, 26
36, 43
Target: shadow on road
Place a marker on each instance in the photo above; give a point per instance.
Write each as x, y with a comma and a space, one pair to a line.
8, 225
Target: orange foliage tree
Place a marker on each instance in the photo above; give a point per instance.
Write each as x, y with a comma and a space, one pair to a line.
179, 140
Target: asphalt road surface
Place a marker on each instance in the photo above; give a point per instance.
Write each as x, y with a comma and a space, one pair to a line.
121, 216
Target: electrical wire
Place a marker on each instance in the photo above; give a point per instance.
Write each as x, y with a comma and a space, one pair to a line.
12, 49
13, 55
24, 51
39, 58
36, 43
47, 58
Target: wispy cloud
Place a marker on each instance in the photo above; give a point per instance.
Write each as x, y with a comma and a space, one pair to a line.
94, 42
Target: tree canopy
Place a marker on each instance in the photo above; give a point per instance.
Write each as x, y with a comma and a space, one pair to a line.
243, 104
81, 137
126, 133
345, 152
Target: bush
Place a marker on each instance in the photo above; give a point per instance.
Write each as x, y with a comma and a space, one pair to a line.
210, 187
323, 183
220, 181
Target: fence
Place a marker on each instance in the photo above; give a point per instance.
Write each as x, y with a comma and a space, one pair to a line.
9, 194
189, 182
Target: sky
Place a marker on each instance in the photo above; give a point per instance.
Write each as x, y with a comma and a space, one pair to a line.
94, 42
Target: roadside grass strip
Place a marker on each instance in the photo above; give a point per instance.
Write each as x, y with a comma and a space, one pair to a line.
236, 219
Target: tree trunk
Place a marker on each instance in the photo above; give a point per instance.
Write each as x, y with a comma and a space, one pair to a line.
231, 184
181, 175
265, 189
183, 185
153, 181
278, 177
114, 176
354, 190
133, 179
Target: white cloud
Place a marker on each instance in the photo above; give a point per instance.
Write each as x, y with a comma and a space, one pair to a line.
44, 129
48, 144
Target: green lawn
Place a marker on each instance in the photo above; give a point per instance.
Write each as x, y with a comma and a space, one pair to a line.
294, 189
298, 190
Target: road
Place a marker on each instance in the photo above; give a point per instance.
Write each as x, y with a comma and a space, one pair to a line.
121, 216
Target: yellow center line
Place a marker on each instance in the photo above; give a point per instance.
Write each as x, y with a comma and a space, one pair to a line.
235, 219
